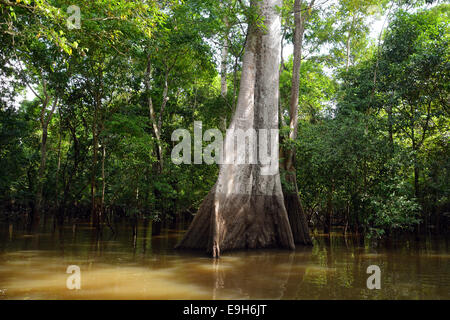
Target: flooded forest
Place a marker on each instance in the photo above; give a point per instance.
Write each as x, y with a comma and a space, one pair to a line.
118, 120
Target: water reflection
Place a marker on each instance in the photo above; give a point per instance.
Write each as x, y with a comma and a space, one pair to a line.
132, 262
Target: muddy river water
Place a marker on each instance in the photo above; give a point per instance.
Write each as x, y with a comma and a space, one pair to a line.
121, 266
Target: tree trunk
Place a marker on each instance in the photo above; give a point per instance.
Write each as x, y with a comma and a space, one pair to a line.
157, 125
296, 214
282, 68
67, 184
95, 218
415, 148
348, 44
347, 62
102, 210
44, 120
40, 191
223, 65
223, 75
58, 168
245, 209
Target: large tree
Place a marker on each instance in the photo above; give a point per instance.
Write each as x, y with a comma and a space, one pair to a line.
245, 208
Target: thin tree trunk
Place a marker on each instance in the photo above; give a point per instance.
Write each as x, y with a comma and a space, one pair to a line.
45, 119
245, 209
282, 68
415, 150
94, 216
223, 75
377, 64
103, 181
95, 219
155, 123
347, 46
58, 169
68, 184
223, 65
40, 191
296, 214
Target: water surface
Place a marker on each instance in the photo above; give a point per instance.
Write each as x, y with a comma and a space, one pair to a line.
121, 266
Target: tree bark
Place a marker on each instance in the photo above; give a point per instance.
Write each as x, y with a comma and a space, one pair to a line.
245, 209
223, 65
282, 68
296, 214
223, 74
156, 124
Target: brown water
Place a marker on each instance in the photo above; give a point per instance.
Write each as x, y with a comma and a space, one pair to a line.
121, 267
